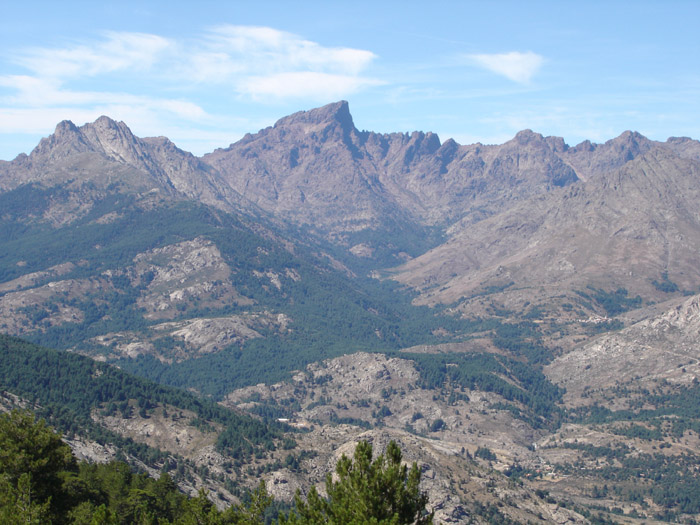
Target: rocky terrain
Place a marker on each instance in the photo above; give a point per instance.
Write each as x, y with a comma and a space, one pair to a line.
661, 350
534, 211
337, 400
373, 390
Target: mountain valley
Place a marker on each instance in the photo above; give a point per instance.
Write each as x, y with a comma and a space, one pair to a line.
522, 319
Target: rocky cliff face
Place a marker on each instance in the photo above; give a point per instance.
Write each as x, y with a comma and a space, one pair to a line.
309, 167
533, 217
595, 160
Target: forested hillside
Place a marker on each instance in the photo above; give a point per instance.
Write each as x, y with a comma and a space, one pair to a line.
72, 392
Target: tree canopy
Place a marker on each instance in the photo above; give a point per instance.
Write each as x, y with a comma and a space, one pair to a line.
382, 491
37, 470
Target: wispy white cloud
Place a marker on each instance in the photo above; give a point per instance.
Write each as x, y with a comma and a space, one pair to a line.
240, 57
304, 84
262, 62
46, 94
265, 48
516, 66
53, 87
118, 51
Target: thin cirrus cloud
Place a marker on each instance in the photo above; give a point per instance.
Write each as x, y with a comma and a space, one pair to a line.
261, 48
242, 56
301, 84
262, 62
118, 51
53, 83
45, 93
516, 66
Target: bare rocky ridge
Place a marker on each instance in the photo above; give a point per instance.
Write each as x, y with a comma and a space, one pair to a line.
658, 352
108, 155
593, 161
375, 390
309, 167
316, 167
624, 230
172, 279
652, 351
456, 485
32, 279
532, 211
187, 339
34, 307
178, 274
652, 361
459, 487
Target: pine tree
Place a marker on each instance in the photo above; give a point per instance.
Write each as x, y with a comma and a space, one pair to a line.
379, 492
36, 466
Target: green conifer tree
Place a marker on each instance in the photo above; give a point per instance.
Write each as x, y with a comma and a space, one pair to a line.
36, 466
379, 492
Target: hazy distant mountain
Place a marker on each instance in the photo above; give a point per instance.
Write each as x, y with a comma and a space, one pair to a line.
109, 157
315, 167
625, 228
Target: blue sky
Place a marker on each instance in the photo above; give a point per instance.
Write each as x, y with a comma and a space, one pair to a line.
206, 74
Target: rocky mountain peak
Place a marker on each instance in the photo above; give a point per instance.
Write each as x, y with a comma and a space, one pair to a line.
330, 113
679, 140
66, 140
65, 127
104, 136
557, 144
528, 139
593, 161
531, 159
630, 136
684, 147
527, 136
584, 146
630, 144
421, 144
334, 116
98, 150
113, 138
105, 122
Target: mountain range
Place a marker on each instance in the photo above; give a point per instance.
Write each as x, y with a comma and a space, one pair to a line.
514, 286
619, 214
